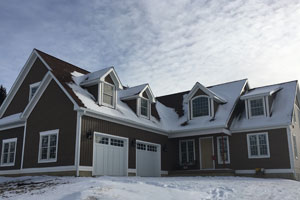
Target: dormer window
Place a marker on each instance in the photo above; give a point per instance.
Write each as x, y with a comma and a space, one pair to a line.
144, 108
32, 89
108, 96
257, 107
200, 106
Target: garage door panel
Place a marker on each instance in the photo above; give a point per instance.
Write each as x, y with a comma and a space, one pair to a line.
110, 156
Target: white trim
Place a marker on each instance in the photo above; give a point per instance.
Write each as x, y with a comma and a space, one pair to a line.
18, 82
267, 171
130, 170
258, 146
258, 129
200, 152
149, 93
23, 147
48, 133
114, 77
78, 142
85, 168
38, 170
37, 84
10, 140
246, 109
267, 106
291, 153
111, 136
197, 132
209, 106
7, 127
194, 153
220, 161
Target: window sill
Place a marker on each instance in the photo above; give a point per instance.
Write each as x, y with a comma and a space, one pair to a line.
47, 161
7, 165
258, 157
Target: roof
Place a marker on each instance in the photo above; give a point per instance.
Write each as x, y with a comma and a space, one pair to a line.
281, 109
90, 77
261, 91
132, 91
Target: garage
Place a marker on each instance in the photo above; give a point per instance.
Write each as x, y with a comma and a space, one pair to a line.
147, 159
110, 155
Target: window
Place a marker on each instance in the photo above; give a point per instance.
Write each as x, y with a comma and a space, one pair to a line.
151, 148
101, 140
257, 107
295, 146
187, 152
8, 154
116, 142
108, 94
141, 146
48, 146
144, 107
33, 88
223, 150
258, 145
200, 106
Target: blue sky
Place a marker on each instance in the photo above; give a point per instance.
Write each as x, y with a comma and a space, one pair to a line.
168, 44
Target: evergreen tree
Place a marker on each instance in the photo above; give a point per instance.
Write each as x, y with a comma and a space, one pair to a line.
2, 94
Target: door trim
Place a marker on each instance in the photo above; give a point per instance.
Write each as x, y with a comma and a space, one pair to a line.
112, 136
213, 151
159, 155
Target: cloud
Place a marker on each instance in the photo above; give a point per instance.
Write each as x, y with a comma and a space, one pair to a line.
169, 44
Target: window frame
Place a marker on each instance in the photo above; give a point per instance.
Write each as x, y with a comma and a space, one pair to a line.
31, 86
140, 108
220, 161
48, 133
209, 106
10, 140
249, 107
258, 146
113, 97
194, 153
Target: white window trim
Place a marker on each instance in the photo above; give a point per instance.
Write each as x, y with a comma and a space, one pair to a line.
258, 149
295, 145
220, 160
180, 158
210, 106
139, 110
8, 141
295, 116
46, 133
37, 84
249, 107
102, 95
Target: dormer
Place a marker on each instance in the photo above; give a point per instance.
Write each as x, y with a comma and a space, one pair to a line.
139, 99
103, 85
258, 101
202, 102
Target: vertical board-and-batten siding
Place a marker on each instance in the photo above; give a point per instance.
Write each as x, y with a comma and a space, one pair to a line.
53, 111
8, 134
21, 98
90, 124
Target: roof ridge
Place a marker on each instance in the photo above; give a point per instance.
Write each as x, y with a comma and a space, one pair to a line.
39, 51
273, 84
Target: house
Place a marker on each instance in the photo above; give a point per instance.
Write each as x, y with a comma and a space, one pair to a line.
60, 119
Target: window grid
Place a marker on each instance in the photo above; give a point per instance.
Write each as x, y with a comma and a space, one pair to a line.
8, 152
187, 152
151, 148
144, 107
108, 94
258, 146
116, 142
223, 150
257, 107
141, 146
200, 106
48, 147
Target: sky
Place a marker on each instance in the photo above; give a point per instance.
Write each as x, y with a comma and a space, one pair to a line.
169, 44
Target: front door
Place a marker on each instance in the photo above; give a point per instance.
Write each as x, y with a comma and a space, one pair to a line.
206, 153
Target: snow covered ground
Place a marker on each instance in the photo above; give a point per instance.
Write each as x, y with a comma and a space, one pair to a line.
176, 188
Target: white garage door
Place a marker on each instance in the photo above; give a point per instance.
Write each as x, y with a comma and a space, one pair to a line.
147, 159
110, 155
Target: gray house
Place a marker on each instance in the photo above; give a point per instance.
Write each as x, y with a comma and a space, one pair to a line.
63, 120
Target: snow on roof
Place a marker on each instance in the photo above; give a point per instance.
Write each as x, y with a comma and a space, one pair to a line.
281, 109
10, 119
93, 76
132, 91
262, 91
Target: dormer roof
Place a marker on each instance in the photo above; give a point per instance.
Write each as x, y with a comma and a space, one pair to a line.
260, 92
137, 91
218, 98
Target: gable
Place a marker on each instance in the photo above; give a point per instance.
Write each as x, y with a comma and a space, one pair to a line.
198, 93
145, 95
21, 98
108, 79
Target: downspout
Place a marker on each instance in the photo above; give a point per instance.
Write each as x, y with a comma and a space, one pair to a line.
78, 141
